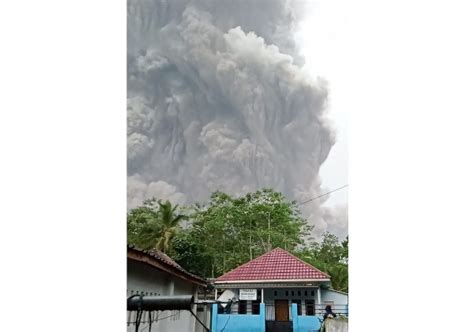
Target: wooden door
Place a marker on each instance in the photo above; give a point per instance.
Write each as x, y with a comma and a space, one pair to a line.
281, 310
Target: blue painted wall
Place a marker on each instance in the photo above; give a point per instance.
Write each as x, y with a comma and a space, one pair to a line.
238, 323
304, 323
308, 323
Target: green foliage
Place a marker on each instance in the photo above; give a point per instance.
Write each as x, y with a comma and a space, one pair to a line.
330, 256
228, 231
153, 225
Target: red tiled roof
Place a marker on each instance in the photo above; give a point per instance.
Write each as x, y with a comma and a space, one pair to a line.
277, 264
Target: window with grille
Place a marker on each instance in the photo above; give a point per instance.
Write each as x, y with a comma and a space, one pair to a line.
256, 307
309, 307
242, 307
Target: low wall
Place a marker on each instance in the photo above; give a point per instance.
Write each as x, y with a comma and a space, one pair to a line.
334, 325
304, 323
238, 323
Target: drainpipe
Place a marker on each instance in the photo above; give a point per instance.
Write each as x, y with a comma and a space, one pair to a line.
261, 295
171, 287
192, 322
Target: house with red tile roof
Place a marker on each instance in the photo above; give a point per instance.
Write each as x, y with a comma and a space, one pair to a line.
288, 290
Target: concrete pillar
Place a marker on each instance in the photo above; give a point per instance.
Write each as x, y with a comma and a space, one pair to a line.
261, 295
215, 294
319, 300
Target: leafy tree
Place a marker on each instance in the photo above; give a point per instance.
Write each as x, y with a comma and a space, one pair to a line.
153, 225
330, 256
228, 231
345, 250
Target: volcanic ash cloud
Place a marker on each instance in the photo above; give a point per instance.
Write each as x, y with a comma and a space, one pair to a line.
217, 100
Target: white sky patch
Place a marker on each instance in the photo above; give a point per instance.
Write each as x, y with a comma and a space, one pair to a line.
323, 41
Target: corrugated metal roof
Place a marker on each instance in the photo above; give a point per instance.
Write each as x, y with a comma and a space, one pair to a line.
277, 264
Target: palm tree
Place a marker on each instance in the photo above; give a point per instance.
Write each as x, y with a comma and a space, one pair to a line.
160, 225
169, 225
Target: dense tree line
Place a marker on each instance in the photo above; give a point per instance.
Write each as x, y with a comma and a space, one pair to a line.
331, 256
212, 238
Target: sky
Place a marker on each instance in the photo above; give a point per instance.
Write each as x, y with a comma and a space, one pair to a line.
221, 98
324, 45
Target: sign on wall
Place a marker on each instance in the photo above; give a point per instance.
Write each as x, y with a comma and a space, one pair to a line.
247, 294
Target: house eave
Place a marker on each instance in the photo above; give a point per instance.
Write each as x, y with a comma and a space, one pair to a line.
337, 291
275, 283
141, 256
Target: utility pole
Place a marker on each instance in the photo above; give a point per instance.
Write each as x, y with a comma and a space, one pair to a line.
250, 234
269, 243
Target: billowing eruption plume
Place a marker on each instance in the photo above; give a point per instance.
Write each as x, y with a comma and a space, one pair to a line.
217, 100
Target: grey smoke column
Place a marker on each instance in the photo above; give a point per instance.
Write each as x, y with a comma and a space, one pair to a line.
217, 100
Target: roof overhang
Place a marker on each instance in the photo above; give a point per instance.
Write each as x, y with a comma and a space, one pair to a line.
278, 283
140, 256
337, 291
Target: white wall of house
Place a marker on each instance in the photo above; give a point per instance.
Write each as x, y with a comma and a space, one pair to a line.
333, 296
147, 280
269, 296
336, 299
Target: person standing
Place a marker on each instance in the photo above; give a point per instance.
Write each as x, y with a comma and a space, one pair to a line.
329, 313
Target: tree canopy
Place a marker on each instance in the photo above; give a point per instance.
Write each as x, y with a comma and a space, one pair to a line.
228, 231
331, 256
153, 225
